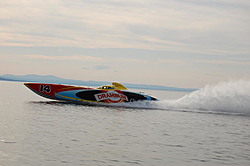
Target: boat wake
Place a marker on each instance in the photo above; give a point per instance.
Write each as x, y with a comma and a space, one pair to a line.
231, 97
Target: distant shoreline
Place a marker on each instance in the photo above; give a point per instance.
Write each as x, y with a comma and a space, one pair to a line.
55, 79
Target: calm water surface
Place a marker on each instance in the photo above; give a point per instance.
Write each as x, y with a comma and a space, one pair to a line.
39, 132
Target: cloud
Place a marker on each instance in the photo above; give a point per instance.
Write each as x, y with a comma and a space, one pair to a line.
76, 58
101, 67
225, 52
98, 67
214, 75
4, 56
172, 61
153, 24
129, 60
152, 39
88, 59
200, 61
222, 62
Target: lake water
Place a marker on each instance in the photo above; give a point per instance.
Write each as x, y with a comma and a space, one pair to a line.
204, 128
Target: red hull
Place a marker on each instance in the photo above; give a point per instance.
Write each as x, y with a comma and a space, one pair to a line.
49, 90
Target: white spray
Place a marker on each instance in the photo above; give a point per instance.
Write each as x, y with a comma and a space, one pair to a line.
233, 96
225, 97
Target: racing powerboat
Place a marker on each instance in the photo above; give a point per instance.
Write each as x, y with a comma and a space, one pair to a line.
106, 94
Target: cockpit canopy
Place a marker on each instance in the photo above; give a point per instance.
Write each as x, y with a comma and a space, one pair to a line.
114, 86
106, 87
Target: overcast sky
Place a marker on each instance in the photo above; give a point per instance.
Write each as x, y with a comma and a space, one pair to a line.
181, 43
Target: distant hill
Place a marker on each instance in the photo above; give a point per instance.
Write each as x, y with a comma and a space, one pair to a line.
55, 79
6, 79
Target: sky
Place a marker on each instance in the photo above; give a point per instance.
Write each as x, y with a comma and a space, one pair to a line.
179, 43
